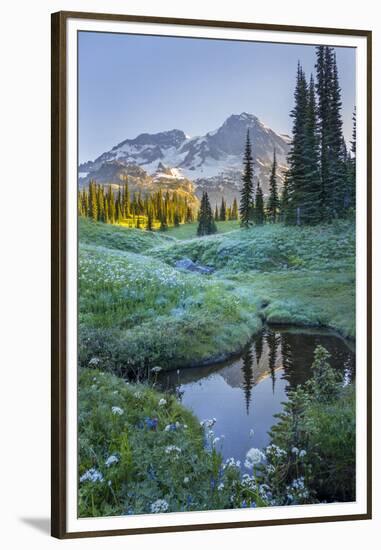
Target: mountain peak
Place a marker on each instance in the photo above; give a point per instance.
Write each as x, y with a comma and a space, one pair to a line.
168, 138
213, 161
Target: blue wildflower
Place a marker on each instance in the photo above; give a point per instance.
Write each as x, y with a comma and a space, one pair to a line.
151, 423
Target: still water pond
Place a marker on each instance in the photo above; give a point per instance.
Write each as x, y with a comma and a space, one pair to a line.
244, 393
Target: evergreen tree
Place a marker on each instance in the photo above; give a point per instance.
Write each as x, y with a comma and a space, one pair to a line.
216, 216
93, 203
247, 187
223, 210
312, 189
297, 157
337, 170
149, 220
285, 211
259, 210
163, 223
323, 84
206, 225
234, 210
273, 202
189, 218
176, 219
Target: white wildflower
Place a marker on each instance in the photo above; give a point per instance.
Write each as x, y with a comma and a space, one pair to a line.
216, 440
117, 410
220, 487
275, 451
159, 506
302, 453
92, 475
253, 456
186, 479
208, 423
232, 463
94, 361
172, 449
113, 459
295, 450
162, 402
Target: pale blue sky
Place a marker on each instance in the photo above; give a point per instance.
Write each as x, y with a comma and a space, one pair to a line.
130, 84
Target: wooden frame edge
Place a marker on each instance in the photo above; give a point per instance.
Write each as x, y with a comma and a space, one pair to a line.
58, 276
58, 273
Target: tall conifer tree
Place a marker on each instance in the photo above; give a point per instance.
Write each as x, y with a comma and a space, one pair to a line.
273, 202
259, 210
247, 187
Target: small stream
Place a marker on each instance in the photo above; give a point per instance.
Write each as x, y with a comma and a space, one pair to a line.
244, 393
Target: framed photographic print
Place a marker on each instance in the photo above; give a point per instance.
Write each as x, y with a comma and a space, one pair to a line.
211, 305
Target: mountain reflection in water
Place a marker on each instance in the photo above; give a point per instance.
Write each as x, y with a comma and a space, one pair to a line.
244, 393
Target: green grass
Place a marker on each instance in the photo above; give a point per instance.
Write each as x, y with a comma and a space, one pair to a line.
118, 237
269, 248
137, 310
189, 230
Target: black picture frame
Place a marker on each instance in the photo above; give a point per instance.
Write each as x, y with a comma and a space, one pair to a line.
59, 276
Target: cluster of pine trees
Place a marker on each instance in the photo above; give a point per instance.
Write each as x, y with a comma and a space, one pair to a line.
320, 183
206, 222
207, 219
225, 213
163, 209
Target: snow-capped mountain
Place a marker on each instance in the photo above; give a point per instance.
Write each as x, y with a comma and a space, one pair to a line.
213, 161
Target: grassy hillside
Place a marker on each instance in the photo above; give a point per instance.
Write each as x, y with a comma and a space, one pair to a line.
137, 310
119, 237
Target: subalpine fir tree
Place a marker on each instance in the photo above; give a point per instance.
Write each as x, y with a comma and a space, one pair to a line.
93, 203
163, 222
216, 215
259, 209
234, 210
285, 200
189, 218
334, 185
247, 186
206, 224
126, 200
323, 84
297, 156
223, 210
149, 220
337, 180
312, 208
273, 202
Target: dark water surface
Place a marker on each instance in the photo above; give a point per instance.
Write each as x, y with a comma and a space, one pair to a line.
243, 394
